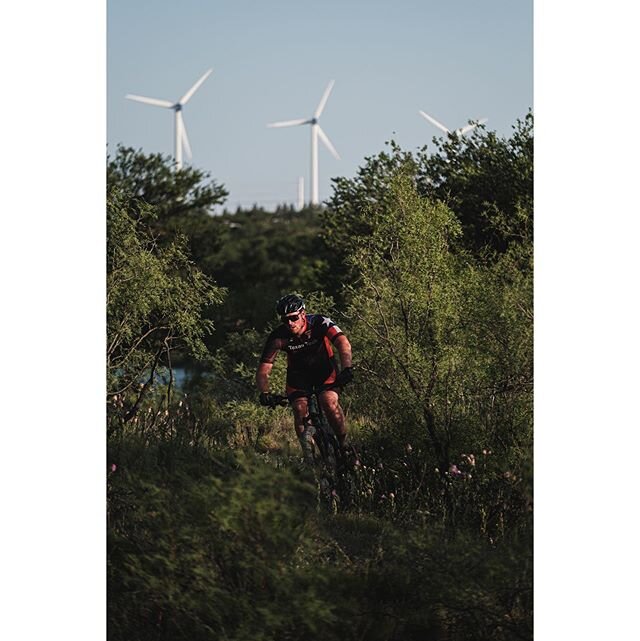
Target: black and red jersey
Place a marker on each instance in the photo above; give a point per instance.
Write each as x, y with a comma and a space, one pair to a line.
310, 358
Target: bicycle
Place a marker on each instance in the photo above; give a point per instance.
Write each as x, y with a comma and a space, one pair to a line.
321, 448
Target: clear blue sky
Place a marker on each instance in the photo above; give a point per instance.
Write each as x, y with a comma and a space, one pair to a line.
455, 60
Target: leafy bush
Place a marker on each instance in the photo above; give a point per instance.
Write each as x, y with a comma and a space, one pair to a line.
155, 302
215, 553
205, 544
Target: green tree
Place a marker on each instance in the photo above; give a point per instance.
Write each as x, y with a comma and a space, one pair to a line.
183, 200
403, 308
487, 181
257, 255
352, 210
445, 341
156, 297
262, 255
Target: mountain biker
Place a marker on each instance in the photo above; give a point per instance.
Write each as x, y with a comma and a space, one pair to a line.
308, 340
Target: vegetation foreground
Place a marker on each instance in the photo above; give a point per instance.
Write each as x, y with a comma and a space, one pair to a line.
215, 529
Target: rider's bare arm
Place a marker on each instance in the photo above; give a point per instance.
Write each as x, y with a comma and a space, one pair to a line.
262, 376
344, 349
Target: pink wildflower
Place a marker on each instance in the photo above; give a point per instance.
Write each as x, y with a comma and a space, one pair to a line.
454, 471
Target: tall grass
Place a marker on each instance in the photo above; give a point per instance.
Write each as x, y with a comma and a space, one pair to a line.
216, 533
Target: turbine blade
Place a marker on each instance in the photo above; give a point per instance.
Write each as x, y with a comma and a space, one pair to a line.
185, 98
465, 130
470, 126
150, 101
323, 100
433, 121
289, 123
184, 139
327, 143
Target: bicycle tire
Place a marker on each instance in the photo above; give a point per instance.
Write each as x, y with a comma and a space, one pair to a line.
324, 437
328, 447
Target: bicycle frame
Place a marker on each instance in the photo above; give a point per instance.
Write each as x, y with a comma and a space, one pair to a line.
317, 426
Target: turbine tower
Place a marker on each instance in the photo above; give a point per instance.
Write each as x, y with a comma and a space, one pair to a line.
181, 138
316, 132
300, 193
457, 132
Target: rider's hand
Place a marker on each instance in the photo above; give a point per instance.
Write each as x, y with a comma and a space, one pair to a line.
266, 399
345, 376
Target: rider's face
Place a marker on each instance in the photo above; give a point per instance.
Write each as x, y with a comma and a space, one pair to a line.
295, 322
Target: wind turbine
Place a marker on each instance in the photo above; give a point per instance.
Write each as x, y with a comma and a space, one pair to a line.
316, 132
457, 132
181, 138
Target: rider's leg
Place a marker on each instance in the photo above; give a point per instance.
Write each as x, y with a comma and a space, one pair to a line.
335, 415
300, 411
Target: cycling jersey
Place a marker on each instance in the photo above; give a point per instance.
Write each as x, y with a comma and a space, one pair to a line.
310, 357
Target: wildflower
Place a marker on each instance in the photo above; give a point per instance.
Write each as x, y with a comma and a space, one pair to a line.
392, 495
409, 448
114, 467
454, 471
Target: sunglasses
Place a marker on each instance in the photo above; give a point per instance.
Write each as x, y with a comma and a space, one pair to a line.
291, 318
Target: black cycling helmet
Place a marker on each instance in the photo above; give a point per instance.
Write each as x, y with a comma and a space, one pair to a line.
289, 304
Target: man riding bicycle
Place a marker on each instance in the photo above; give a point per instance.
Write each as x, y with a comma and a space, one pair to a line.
308, 340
